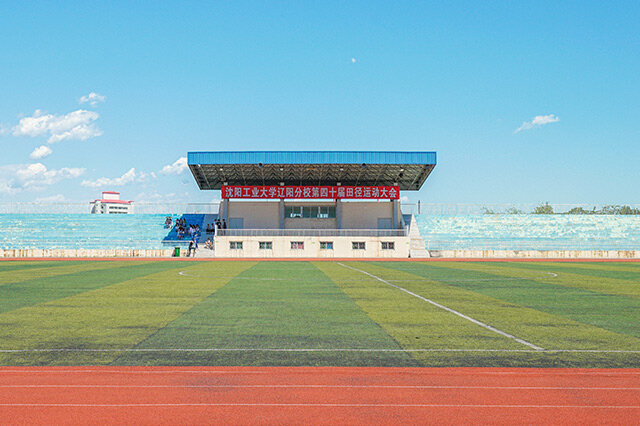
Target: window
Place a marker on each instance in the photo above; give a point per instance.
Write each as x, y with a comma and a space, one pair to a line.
357, 245
388, 245
326, 212
326, 245
297, 245
235, 245
293, 211
310, 212
265, 245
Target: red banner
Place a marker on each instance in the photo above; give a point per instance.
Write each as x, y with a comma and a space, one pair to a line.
332, 192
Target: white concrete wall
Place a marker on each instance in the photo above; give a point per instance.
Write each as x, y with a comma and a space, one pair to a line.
109, 196
364, 214
537, 254
87, 253
309, 223
342, 247
256, 215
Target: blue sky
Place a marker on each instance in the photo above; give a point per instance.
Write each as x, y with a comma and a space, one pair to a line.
457, 78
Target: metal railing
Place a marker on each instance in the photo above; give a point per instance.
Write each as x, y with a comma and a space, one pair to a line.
84, 208
311, 233
521, 244
421, 208
81, 243
464, 209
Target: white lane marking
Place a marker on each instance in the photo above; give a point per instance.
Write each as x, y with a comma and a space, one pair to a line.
604, 351
385, 372
328, 386
251, 404
34, 370
460, 314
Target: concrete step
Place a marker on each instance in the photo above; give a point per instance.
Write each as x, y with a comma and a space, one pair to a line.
202, 252
419, 254
416, 243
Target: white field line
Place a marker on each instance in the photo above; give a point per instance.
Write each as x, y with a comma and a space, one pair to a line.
604, 351
294, 386
252, 404
268, 370
34, 370
461, 315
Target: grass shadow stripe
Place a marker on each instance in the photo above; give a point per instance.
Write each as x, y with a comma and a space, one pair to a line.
41, 290
613, 313
609, 281
113, 316
28, 265
452, 311
302, 311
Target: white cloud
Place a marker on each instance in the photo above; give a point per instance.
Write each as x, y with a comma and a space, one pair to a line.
92, 98
40, 152
58, 198
537, 121
142, 176
74, 125
18, 177
354, 60
126, 178
179, 166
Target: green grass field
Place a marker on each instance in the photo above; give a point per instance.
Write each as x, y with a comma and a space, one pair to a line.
523, 314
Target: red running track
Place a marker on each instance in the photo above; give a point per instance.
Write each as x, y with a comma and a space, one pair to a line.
317, 395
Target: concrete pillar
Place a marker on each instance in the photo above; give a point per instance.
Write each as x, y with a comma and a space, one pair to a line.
281, 213
395, 214
225, 210
338, 214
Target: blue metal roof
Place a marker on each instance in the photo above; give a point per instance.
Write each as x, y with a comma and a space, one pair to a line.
408, 170
311, 157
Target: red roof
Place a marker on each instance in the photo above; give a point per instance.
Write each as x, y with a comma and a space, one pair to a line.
110, 192
113, 201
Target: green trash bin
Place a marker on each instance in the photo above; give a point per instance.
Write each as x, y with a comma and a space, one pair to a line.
176, 252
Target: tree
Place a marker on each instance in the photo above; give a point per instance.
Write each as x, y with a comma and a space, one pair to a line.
580, 210
615, 209
513, 210
543, 209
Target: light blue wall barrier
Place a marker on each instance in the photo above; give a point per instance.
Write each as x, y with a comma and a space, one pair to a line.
530, 232
440, 232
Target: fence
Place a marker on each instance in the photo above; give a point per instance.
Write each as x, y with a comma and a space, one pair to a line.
80, 208
455, 209
524, 244
418, 207
311, 232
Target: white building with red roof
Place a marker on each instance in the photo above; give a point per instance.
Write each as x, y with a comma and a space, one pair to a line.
110, 203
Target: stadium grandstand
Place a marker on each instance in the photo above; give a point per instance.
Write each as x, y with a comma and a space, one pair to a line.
308, 203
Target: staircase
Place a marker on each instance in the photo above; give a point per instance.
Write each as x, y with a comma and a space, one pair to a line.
203, 252
416, 243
